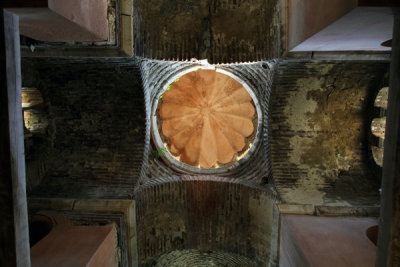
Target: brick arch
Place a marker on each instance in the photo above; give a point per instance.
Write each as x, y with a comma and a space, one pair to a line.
204, 213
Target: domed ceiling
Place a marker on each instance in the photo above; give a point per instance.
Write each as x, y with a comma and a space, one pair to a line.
207, 119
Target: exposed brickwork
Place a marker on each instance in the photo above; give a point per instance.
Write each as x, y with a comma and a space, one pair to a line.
97, 111
259, 78
196, 258
38, 136
207, 29
205, 214
98, 150
320, 119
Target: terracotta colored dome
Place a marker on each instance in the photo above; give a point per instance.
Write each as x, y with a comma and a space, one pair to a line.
206, 118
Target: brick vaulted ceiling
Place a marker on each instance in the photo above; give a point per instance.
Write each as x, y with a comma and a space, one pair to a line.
207, 29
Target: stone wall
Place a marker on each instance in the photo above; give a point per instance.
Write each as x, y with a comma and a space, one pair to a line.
320, 131
207, 29
93, 145
205, 214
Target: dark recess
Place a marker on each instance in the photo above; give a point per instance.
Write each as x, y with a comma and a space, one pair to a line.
378, 3
23, 3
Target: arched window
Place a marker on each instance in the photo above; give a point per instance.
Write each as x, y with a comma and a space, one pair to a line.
378, 125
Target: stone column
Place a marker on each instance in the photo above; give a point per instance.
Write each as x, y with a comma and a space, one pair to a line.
14, 238
389, 225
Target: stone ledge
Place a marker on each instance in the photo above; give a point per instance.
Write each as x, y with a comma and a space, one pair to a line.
329, 211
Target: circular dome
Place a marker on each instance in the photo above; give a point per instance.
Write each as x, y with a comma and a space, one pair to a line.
206, 119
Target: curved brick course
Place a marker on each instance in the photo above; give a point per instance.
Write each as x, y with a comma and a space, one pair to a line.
205, 213
207, 29
196, 258
97, 131
257, 75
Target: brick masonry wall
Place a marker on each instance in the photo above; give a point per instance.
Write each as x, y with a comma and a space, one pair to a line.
192, 257
207, 29
258, 76
320, 131
319, 134
94, 142
205, 214
94, 149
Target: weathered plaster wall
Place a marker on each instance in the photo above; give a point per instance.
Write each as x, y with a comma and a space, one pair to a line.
94, 141
204, 214
223, 31
320, 126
